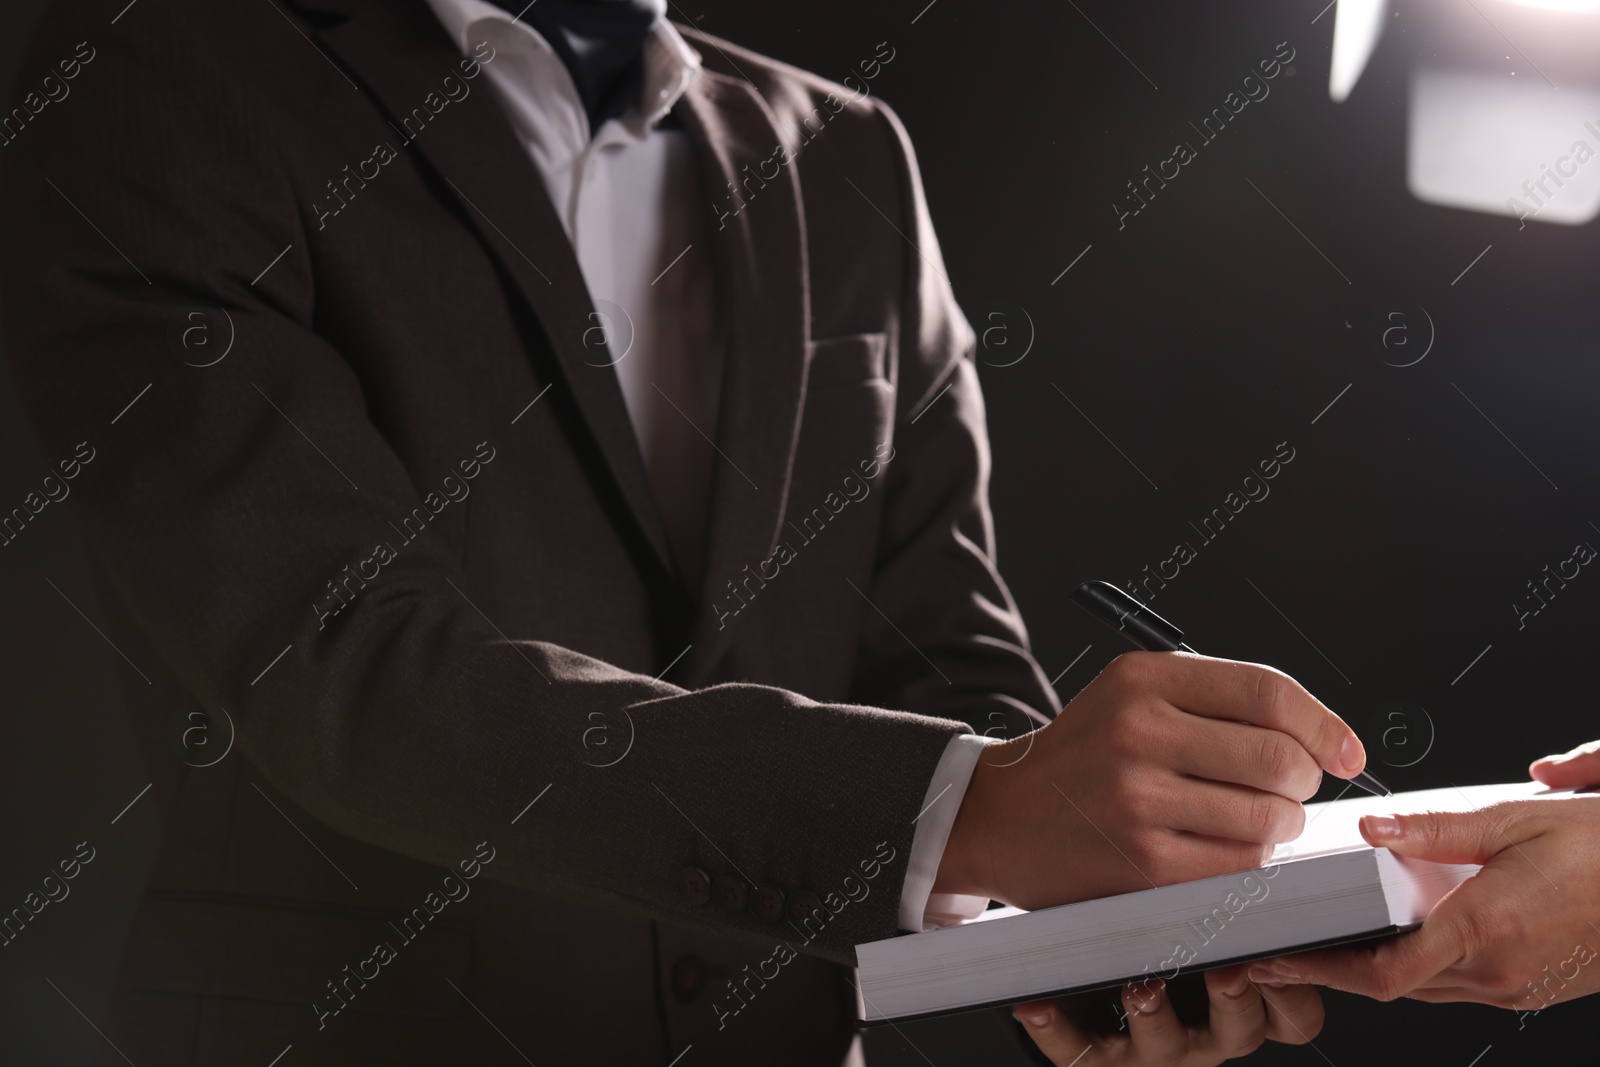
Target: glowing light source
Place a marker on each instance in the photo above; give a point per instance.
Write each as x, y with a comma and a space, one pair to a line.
1520, 148
1575, 6
1357, 26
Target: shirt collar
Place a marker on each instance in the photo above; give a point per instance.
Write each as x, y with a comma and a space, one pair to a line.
670, 64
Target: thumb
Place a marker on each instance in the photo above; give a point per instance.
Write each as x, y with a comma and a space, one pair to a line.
1570, 770
1448, 836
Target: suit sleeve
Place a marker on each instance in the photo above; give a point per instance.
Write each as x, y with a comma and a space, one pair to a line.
222, 499
936, 575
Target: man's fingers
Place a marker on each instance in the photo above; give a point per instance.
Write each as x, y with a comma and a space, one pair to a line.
1220, 751
1570, 770
1186, 857
1238, 1020
1056, 1035
1451, 837
1294, 1014
1234, 813
1158, 1036
1249, 692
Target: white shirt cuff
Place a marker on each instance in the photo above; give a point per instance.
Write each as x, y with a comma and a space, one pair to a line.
920, 907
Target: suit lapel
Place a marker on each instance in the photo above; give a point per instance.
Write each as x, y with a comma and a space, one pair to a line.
402, 54
760, 255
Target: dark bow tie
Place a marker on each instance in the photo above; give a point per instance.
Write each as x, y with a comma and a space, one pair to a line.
602, 44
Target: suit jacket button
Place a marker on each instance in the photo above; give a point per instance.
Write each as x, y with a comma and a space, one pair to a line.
695, 885
688, 978
729, 892
803, 906
767, 902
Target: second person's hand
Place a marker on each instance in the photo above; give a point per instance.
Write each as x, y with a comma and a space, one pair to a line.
1522, 933
1242, 1016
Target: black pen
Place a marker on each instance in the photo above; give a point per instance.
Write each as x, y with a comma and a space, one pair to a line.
1151, 632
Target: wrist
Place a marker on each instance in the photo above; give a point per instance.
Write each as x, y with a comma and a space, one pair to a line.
966, 868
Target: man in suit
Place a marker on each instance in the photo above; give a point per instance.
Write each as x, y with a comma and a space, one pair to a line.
560, 461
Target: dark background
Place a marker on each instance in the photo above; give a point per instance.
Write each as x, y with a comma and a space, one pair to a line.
1197, 338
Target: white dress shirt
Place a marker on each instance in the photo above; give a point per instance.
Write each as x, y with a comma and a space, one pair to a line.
628, 198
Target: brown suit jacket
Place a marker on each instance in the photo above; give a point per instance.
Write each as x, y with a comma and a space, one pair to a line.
442, 628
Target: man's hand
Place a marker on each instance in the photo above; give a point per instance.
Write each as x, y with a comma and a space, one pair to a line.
1168, 767
1522, 933
1242, 1016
